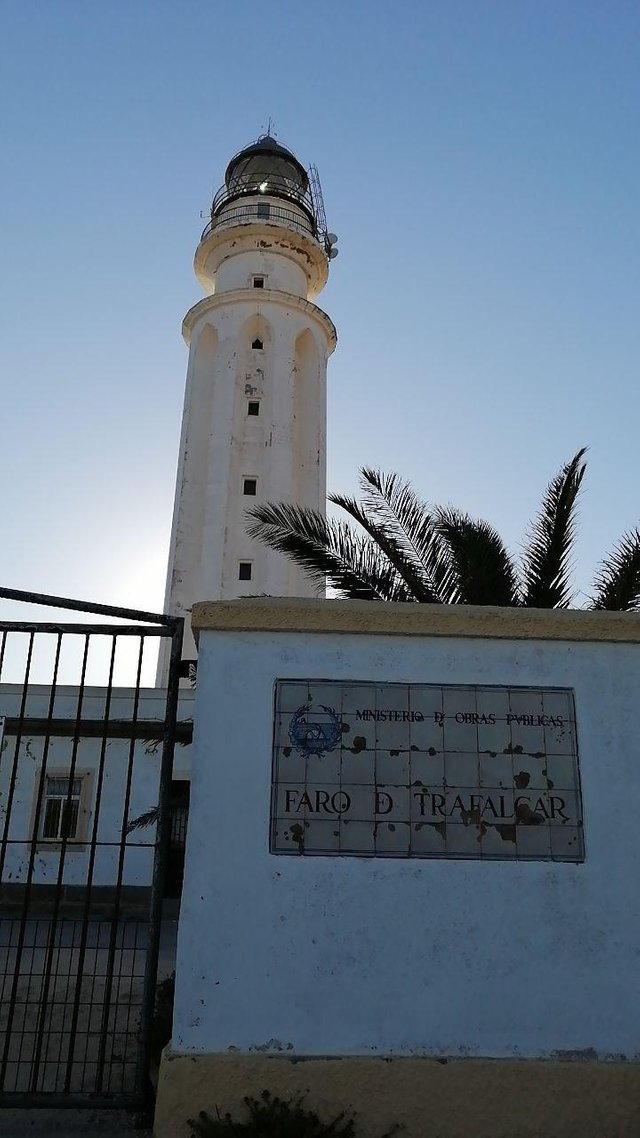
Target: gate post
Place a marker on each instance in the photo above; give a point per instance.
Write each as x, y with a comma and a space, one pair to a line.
162, 843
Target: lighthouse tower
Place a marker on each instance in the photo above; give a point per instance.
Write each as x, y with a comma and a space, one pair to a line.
254, 422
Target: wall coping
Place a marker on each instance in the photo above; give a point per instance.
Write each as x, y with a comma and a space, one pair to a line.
378, 618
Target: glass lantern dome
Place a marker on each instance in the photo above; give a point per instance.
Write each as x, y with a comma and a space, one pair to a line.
265, 167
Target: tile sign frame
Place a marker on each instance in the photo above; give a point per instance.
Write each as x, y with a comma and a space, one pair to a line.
364, 769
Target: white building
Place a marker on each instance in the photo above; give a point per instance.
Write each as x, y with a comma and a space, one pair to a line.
254, 423
116, 776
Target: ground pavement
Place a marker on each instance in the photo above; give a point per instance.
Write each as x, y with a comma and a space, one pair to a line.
69, 1124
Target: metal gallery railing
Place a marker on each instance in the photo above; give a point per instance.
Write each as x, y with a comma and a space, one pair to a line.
259, 211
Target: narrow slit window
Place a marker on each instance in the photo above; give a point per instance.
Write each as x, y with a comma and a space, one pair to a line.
257, 344
250, 486
258, 282
253, 407
244, 571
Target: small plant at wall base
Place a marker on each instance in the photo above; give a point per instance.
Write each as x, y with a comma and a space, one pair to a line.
403, 550
273, 1117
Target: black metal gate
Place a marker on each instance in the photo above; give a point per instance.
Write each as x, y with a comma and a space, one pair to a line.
85, 749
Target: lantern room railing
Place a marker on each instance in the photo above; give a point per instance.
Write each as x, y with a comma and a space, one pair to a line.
277, 186
264, 212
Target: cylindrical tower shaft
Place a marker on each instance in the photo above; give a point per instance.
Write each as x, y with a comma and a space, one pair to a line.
254, 422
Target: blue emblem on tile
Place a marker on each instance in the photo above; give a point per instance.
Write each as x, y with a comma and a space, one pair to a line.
315, 729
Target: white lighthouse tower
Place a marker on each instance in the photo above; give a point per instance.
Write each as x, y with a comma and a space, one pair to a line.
254, 422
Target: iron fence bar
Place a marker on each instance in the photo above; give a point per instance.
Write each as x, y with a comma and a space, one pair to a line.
123, 938
67, 982
90, 868
31, 865
163, 826
57, 970
81, 843
149, 730
83, 629
59, 882
56, 1099
86, 606
30, 977
14, 771
102, 1048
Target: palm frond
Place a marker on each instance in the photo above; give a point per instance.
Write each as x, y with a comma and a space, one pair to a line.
546, 561
394, 506
481, 565
328, 550
617, 582
408, 568
150, 818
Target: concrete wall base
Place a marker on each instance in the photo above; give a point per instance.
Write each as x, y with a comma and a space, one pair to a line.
430, 1098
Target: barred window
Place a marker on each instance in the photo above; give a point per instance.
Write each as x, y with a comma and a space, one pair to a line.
61, 809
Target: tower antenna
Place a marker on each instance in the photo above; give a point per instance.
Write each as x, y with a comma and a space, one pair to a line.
318, 202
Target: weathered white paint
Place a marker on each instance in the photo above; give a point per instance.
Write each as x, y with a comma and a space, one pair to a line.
22, 765
284, 447
356, 956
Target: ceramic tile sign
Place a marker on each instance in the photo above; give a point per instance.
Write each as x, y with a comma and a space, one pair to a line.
424, 770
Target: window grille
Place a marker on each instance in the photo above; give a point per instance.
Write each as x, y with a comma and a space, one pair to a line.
61, 811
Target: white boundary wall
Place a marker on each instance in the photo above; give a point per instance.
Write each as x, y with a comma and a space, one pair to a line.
358, 956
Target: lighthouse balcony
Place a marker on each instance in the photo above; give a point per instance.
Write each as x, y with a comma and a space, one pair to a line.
262, 211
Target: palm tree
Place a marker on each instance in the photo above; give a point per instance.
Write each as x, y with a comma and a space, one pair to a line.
403, 550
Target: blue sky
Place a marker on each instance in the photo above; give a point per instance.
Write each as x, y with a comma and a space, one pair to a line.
480, 164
